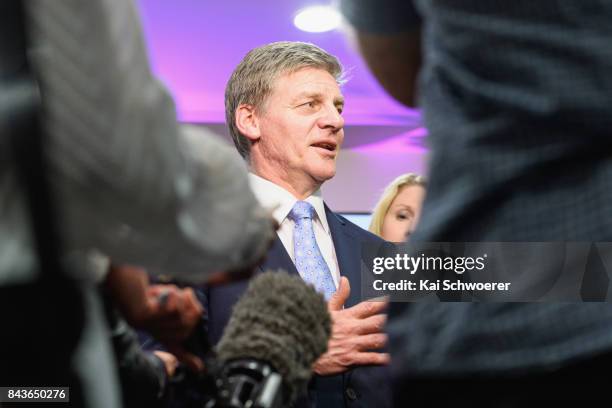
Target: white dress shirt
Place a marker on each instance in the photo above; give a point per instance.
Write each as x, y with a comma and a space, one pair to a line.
280, 202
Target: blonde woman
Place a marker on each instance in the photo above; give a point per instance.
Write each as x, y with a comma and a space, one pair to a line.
399, 208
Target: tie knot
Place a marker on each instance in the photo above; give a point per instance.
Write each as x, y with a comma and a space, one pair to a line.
301, 210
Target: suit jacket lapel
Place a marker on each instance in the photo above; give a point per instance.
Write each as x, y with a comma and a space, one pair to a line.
278, 258
348, 253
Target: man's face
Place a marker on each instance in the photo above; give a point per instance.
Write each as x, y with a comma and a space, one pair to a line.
301, 127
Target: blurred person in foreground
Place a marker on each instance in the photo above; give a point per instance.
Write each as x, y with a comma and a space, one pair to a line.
284, 109
125, 181
516, 98
398, 210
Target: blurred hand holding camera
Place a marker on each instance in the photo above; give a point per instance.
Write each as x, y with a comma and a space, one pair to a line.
167, 312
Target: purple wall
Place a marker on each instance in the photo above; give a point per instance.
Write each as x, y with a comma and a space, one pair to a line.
195, 44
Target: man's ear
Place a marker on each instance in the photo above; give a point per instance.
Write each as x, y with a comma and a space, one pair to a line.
247, 122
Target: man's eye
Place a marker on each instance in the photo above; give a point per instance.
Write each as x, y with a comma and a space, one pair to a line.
310, 104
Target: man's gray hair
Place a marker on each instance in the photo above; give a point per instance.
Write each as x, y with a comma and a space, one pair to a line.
252, 80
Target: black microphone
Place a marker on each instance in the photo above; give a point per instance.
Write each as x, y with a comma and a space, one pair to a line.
277, 330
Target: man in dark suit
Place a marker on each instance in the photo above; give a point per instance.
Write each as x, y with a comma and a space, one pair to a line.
284, 109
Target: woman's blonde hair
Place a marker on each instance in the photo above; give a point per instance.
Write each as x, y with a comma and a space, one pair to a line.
388, 195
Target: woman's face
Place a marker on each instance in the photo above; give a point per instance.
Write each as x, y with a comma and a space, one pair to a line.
403, 214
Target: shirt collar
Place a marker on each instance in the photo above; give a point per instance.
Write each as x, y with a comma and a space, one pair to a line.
273, 197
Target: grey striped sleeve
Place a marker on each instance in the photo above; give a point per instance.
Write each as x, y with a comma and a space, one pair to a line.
128, 182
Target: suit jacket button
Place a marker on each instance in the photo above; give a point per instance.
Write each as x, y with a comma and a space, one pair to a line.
351, 394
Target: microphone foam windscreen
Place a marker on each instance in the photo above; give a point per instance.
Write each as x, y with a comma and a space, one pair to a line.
282, 321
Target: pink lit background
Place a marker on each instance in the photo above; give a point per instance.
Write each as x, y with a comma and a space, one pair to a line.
195, 44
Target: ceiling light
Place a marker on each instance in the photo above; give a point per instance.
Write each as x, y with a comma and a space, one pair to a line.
317, 19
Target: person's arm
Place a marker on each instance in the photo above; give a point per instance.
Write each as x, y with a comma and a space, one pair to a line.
143, 376
167, 312
128, 180
388, 35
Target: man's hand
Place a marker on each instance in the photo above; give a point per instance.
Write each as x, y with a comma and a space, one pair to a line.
175, 314
356, 332
167, 312
169, 360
